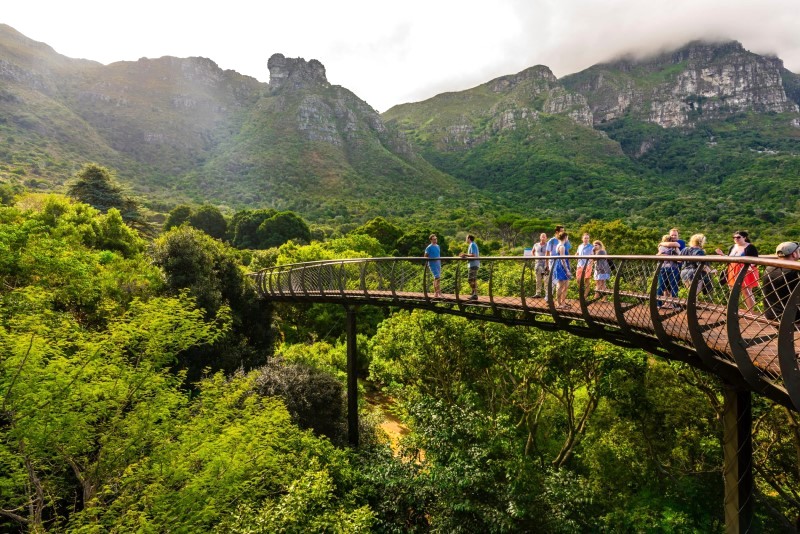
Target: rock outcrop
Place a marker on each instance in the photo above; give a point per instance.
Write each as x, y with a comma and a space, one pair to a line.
295, 73
698, 81
514, 103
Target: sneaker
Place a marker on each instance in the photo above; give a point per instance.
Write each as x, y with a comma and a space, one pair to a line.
474, 297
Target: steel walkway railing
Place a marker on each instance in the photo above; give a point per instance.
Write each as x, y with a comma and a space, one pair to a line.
748, 336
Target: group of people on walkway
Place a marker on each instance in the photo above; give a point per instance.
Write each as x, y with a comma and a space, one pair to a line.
550, 255
777, 283
433, 253
673, 271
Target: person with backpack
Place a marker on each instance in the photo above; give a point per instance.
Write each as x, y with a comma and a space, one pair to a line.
779, 282
689, 268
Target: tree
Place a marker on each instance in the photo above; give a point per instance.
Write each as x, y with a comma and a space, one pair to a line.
208, 269
78, 406
282, 227
414, 241
382, 230
210, 220
115, 235
620, 238
510, 227
177, 216
243, 228
95, 185
314, 398
230, 461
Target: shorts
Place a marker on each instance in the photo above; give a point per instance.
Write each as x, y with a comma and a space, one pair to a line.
473, 274
583, 272
436, 269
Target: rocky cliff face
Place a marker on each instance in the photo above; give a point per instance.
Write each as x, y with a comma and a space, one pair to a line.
537, 89
326, 113
464, 120
699, 81
295, 73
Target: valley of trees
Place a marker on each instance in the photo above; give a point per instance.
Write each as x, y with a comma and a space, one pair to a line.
144, 387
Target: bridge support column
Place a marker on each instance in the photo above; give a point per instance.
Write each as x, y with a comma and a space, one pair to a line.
352, 377
737, 450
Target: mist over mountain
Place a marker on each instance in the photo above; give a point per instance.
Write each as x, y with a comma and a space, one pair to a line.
631, 138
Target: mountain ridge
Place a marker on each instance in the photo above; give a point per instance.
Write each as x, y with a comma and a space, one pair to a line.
184, 130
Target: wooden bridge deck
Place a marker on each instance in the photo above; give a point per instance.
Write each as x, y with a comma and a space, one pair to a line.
715, 333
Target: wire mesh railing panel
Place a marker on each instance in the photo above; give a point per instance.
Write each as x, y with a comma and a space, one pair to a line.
282, 281
451, 274
632, 293
713, 293
598, 288
506, 279
373, 278
352, 274
759, 329
408, 276
310, 279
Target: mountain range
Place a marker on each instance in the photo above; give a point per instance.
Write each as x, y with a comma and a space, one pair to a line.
708, 134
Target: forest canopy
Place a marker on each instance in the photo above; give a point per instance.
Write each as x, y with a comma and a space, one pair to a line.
144, 386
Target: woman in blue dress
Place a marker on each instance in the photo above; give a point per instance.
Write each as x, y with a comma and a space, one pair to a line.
561, 271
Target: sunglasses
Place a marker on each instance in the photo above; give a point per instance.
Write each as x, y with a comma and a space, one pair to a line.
737, 236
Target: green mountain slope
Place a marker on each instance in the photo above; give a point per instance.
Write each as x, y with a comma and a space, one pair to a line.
42, 141
529, 141
180, 130
705, 135
320, 149
717, 124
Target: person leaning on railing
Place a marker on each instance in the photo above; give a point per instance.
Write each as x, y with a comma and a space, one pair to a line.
779, 282
742, 247
689, 268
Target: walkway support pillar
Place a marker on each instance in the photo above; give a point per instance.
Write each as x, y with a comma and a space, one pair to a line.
352, 377
737, 452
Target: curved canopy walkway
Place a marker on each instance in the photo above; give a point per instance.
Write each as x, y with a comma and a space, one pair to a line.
746, 336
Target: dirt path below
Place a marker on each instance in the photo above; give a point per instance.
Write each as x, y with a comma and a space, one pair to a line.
393, 427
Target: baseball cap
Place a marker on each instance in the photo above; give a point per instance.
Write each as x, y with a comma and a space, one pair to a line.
786, 248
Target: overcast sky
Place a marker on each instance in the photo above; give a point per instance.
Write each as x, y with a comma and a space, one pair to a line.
390, 52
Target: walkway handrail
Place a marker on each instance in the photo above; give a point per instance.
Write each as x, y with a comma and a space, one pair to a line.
744, 329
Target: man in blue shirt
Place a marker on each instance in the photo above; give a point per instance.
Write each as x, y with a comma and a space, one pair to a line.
433, 254
673, 234
552, 244
472, 252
